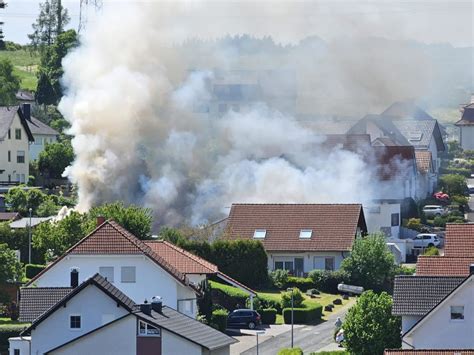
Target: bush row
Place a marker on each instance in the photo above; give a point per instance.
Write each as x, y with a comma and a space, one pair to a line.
306, 315
219, 319
322, 280
290, 351
31, 270
268, 315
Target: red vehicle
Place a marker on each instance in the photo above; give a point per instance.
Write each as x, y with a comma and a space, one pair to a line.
441, 196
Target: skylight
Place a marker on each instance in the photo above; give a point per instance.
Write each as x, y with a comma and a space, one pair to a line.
415, 136
306, 233
259, 233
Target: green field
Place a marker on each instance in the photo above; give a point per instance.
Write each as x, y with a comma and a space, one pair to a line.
26, 65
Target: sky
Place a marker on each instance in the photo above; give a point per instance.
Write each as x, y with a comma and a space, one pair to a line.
428, 21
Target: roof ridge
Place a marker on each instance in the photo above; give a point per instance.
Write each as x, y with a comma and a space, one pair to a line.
298, 204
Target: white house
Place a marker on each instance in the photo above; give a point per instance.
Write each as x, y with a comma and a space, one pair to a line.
299, 237
139, 269
383, 216
466, 127
15, 138
97, 318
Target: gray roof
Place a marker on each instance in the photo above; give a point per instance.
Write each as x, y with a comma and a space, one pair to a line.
7, 114
34, 301
25, 222
417, 295
23, 95
188, 328
38, 127
384, 123
406, 109
418, 133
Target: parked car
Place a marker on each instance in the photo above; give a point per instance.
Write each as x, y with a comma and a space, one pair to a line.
241, 318
426, 240
470, 189
433, 211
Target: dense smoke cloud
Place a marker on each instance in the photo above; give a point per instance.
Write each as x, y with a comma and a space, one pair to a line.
132, 89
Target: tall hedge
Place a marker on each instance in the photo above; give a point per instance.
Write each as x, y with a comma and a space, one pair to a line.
243, 260
306, 315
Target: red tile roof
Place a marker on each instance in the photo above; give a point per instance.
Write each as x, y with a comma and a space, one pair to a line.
185, 261
459, 240
430, 352
443, 266
334, 226
423, 161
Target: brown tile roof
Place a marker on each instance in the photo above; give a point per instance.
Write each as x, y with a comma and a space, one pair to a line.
334, 226
443, 266
429, 352
9, 216
34, 301
423, 161
393, 161
459, 240
183, 260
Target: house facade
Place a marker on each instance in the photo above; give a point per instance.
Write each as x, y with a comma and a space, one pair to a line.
15, 139
299, 237
466, 127
96, 317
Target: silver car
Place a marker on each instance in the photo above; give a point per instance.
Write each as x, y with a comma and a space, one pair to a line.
433, 211
426, 240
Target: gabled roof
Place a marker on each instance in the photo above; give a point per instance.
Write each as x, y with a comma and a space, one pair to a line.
417, 295
112, 239
188, 328
183, 260
34, 301
23, 95
423, 161
467, 118
420, 133
96, 280
459, 240
334, 226
443, 266
384, 123
429, 352
406, 109
38, 127
7, 114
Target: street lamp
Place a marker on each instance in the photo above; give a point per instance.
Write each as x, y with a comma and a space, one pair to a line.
291, 290
29, 239
257, 333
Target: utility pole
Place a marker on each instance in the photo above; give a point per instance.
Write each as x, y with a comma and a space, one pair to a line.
60, 19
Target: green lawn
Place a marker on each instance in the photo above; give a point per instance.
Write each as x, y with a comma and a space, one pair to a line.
7, 322
26, 66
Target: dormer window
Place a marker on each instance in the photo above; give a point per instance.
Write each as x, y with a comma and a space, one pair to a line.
145, 329
259, 233
306, 233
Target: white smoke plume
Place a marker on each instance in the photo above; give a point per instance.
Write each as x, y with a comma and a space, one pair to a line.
132, 88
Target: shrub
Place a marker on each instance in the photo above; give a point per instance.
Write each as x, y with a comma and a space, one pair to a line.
302, 283
31, 270
414, 223
269, 302
311, 313
439, 221
431, 251
230, 297
279, 278
337, 301
219, 319
453, 184
289, 351
268, 315
297, 298
461, 200
327, 281
404, 270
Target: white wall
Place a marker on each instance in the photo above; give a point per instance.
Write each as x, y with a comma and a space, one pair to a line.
14, 145
91, 303
222, 351
467, 137
438, 331
311, 260
40, 143
172, 344
117, 339
19, 343
151, 279
379, 215
408, 322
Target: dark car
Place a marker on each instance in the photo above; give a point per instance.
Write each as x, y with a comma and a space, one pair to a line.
243, 318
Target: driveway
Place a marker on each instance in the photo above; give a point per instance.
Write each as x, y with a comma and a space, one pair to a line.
308, 337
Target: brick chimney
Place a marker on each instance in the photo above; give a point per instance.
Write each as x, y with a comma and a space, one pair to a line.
26, 110
100, 220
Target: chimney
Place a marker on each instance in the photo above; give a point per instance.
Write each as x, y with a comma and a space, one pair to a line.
74, 277
146, 308
26, 110
157, 304
100, 220
471, 269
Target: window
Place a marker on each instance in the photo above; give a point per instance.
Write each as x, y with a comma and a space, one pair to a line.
20, 156
278, 265
395, 219
107, 272
259, 233
306, 233
186, 306
329, 263
289, 266
75, 321
128, 274
9, 134
16, 351
457, 312
9, 156
145, 329
17, 133
284, 265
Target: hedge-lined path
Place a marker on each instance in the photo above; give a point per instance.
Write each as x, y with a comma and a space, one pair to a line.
307, 337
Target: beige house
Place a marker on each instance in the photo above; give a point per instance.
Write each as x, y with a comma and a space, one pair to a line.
15, 138
466, 127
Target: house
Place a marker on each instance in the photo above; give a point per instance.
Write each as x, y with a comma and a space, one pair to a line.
25, 222
42, 133
25, 97
9, 216
427, 176
138, 268
96, 317
15, 138
466, 126
383, 216
299, 237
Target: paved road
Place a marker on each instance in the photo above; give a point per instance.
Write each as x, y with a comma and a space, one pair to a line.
309, 338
